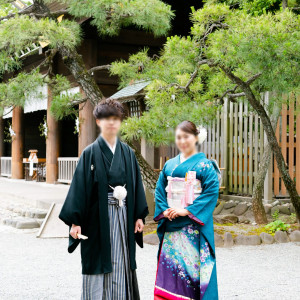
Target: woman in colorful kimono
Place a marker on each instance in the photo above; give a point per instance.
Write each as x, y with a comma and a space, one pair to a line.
186, 195
106, 203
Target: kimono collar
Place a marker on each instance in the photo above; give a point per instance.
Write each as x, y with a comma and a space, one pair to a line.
112, 148
196, 156
188, 165
106, 149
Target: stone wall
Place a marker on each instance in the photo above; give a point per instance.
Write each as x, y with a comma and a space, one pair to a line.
235, 211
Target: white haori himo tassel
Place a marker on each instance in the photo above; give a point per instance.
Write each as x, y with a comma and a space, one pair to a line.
119, 193
202, 135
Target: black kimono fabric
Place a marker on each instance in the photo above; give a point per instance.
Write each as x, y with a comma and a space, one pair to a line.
86, 205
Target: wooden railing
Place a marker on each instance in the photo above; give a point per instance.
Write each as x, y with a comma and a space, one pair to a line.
66, 168
6, 166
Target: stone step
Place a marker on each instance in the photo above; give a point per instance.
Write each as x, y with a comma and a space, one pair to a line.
30, 212
23, 222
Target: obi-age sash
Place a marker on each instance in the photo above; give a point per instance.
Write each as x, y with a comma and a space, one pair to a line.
182, 192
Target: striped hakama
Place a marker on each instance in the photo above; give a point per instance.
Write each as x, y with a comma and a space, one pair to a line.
116, 285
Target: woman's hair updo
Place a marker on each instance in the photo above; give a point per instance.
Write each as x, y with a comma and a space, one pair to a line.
188, 127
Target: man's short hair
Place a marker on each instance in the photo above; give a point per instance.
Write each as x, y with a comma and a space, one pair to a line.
108, 108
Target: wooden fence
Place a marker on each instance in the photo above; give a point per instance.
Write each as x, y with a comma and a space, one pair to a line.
286, 132
236, 140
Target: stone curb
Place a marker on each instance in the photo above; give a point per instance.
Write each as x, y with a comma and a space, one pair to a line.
245, 240
254, 240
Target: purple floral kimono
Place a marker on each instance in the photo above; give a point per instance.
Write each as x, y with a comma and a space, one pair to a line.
186, 257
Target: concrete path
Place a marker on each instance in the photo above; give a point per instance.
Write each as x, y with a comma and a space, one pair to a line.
39, 194
35, 269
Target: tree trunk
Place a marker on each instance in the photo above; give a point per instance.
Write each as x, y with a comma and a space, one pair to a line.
77, 67
282, 167
257, 204
75, 64
149, 176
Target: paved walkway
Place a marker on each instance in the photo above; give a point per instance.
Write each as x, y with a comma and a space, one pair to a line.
39, 194
35, 269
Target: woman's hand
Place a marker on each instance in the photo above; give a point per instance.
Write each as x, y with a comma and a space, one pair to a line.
178, 212
74, 231
166, 214
139, 226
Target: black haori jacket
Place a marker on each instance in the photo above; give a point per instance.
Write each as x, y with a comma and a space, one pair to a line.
86, 205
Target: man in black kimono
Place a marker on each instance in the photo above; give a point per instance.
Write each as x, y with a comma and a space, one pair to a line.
112, 221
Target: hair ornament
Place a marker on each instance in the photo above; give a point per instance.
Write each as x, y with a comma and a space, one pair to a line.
202, 134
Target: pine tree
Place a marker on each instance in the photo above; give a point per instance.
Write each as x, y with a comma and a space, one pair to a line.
229, 53
25, 29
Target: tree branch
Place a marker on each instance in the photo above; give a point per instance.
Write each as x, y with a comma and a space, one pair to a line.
236, 95
99, 68
250, 80
30, 13
208, 62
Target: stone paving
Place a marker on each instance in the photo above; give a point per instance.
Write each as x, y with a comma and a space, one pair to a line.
35, 269
32, 268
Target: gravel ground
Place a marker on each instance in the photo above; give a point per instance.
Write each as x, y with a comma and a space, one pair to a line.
34, 269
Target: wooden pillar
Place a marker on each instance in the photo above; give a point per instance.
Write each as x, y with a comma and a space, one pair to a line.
17, 145
88, 131
88, 128
52, 144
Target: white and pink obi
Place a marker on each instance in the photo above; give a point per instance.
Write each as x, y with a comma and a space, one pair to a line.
182, 192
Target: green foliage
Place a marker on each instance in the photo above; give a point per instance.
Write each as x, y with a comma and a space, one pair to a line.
109, 16
293, 218
258, 7
14, 91
7, 64
254, 7
275, 215
6, 8
43, 127
247, 45
276, 226
7, 136
21, 31
168, 104
61, 105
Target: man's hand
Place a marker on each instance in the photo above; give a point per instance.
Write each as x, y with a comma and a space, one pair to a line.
139, 226
75, 230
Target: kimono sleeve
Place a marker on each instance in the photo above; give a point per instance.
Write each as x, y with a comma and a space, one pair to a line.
203, 206
141, 207
74, 207
161, 196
